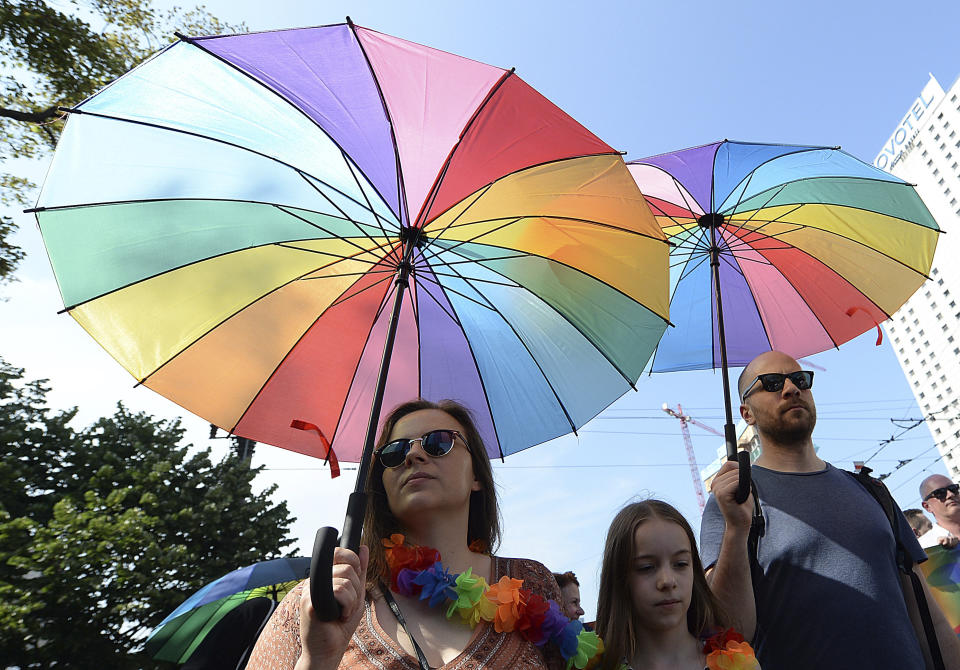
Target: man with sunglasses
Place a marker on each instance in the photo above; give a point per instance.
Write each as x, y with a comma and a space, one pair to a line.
941, 497
824, 590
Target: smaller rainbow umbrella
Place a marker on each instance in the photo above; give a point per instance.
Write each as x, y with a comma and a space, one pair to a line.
178, 636
811, 246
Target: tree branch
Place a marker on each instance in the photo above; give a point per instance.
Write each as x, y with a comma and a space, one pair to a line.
30, 117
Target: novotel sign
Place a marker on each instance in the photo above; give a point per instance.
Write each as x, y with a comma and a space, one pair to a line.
902, 138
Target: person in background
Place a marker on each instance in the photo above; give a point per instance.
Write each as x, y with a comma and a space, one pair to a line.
940, 497
918, 521
569, 594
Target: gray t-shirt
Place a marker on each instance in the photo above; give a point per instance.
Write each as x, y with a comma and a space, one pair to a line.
830, 597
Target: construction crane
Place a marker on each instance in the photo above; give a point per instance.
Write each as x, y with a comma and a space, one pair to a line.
694, 471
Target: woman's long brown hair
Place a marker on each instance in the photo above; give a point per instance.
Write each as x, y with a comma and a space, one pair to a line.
483, 526
616, 622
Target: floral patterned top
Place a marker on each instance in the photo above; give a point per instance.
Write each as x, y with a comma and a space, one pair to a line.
370, 648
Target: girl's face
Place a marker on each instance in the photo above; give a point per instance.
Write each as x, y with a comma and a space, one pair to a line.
661, 576
424, 482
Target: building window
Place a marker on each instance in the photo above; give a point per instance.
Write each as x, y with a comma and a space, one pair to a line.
936, 137
930, 162
941, 181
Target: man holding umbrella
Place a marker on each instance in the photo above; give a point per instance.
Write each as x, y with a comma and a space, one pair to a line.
825, 590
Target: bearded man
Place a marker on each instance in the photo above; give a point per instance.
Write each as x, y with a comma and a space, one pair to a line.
827, 593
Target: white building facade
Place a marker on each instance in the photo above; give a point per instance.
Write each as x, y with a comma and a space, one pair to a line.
924, 149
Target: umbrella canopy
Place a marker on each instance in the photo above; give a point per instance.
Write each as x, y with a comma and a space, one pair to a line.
181, 632
227, 221
815, 248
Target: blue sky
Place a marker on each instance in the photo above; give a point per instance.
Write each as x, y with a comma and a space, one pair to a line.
647, 78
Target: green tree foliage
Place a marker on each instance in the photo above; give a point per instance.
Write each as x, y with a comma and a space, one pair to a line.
105, 530
56, 54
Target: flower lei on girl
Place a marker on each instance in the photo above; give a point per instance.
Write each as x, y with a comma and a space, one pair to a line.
725, 650
418, 571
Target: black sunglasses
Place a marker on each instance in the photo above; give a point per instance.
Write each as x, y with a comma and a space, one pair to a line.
773, 381
436, 443
941, 493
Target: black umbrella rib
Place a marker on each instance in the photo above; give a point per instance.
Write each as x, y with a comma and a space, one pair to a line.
516, 284
339, 257
462, 242
220, 323
283, 359
344, 297
598, 224
295, 107
467, 260
800, 150
345, 215
401, 188
850, 239
168, 271
537, 165
422, 285
809, 307
544, 258
480, 193
435, 187
456, 292
743, 222
478, 279
356, 179
218, 141
334, 236
573, 427
476, 365
890, 184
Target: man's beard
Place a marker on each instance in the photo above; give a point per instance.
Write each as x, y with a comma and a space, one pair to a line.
795, 432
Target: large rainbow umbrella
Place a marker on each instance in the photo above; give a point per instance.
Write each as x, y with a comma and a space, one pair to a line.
232, 221
810, 246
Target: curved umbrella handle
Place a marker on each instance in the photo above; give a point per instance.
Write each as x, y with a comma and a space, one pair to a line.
321, 575
743, 488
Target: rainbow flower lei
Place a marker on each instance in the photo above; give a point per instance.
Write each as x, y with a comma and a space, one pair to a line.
725, 650
418, 571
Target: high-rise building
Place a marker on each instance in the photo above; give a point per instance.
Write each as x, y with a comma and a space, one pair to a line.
924, 149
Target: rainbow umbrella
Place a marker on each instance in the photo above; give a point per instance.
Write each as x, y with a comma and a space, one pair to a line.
237, 221
811, 247
181, 632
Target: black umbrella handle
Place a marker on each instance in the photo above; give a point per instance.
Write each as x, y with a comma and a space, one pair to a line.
321, 566
743, 488
321, 575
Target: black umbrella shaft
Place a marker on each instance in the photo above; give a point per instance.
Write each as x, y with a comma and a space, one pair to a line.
357, 504
729, 432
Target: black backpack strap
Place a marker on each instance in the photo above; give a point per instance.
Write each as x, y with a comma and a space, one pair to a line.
905, 562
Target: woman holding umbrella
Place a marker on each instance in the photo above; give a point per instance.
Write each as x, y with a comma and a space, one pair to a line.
432, 514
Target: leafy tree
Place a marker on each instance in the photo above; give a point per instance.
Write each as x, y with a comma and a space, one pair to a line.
52, 55
105, 530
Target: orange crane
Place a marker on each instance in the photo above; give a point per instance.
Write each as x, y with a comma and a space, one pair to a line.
691, 457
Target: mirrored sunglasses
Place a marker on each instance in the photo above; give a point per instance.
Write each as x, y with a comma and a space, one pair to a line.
436, 443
